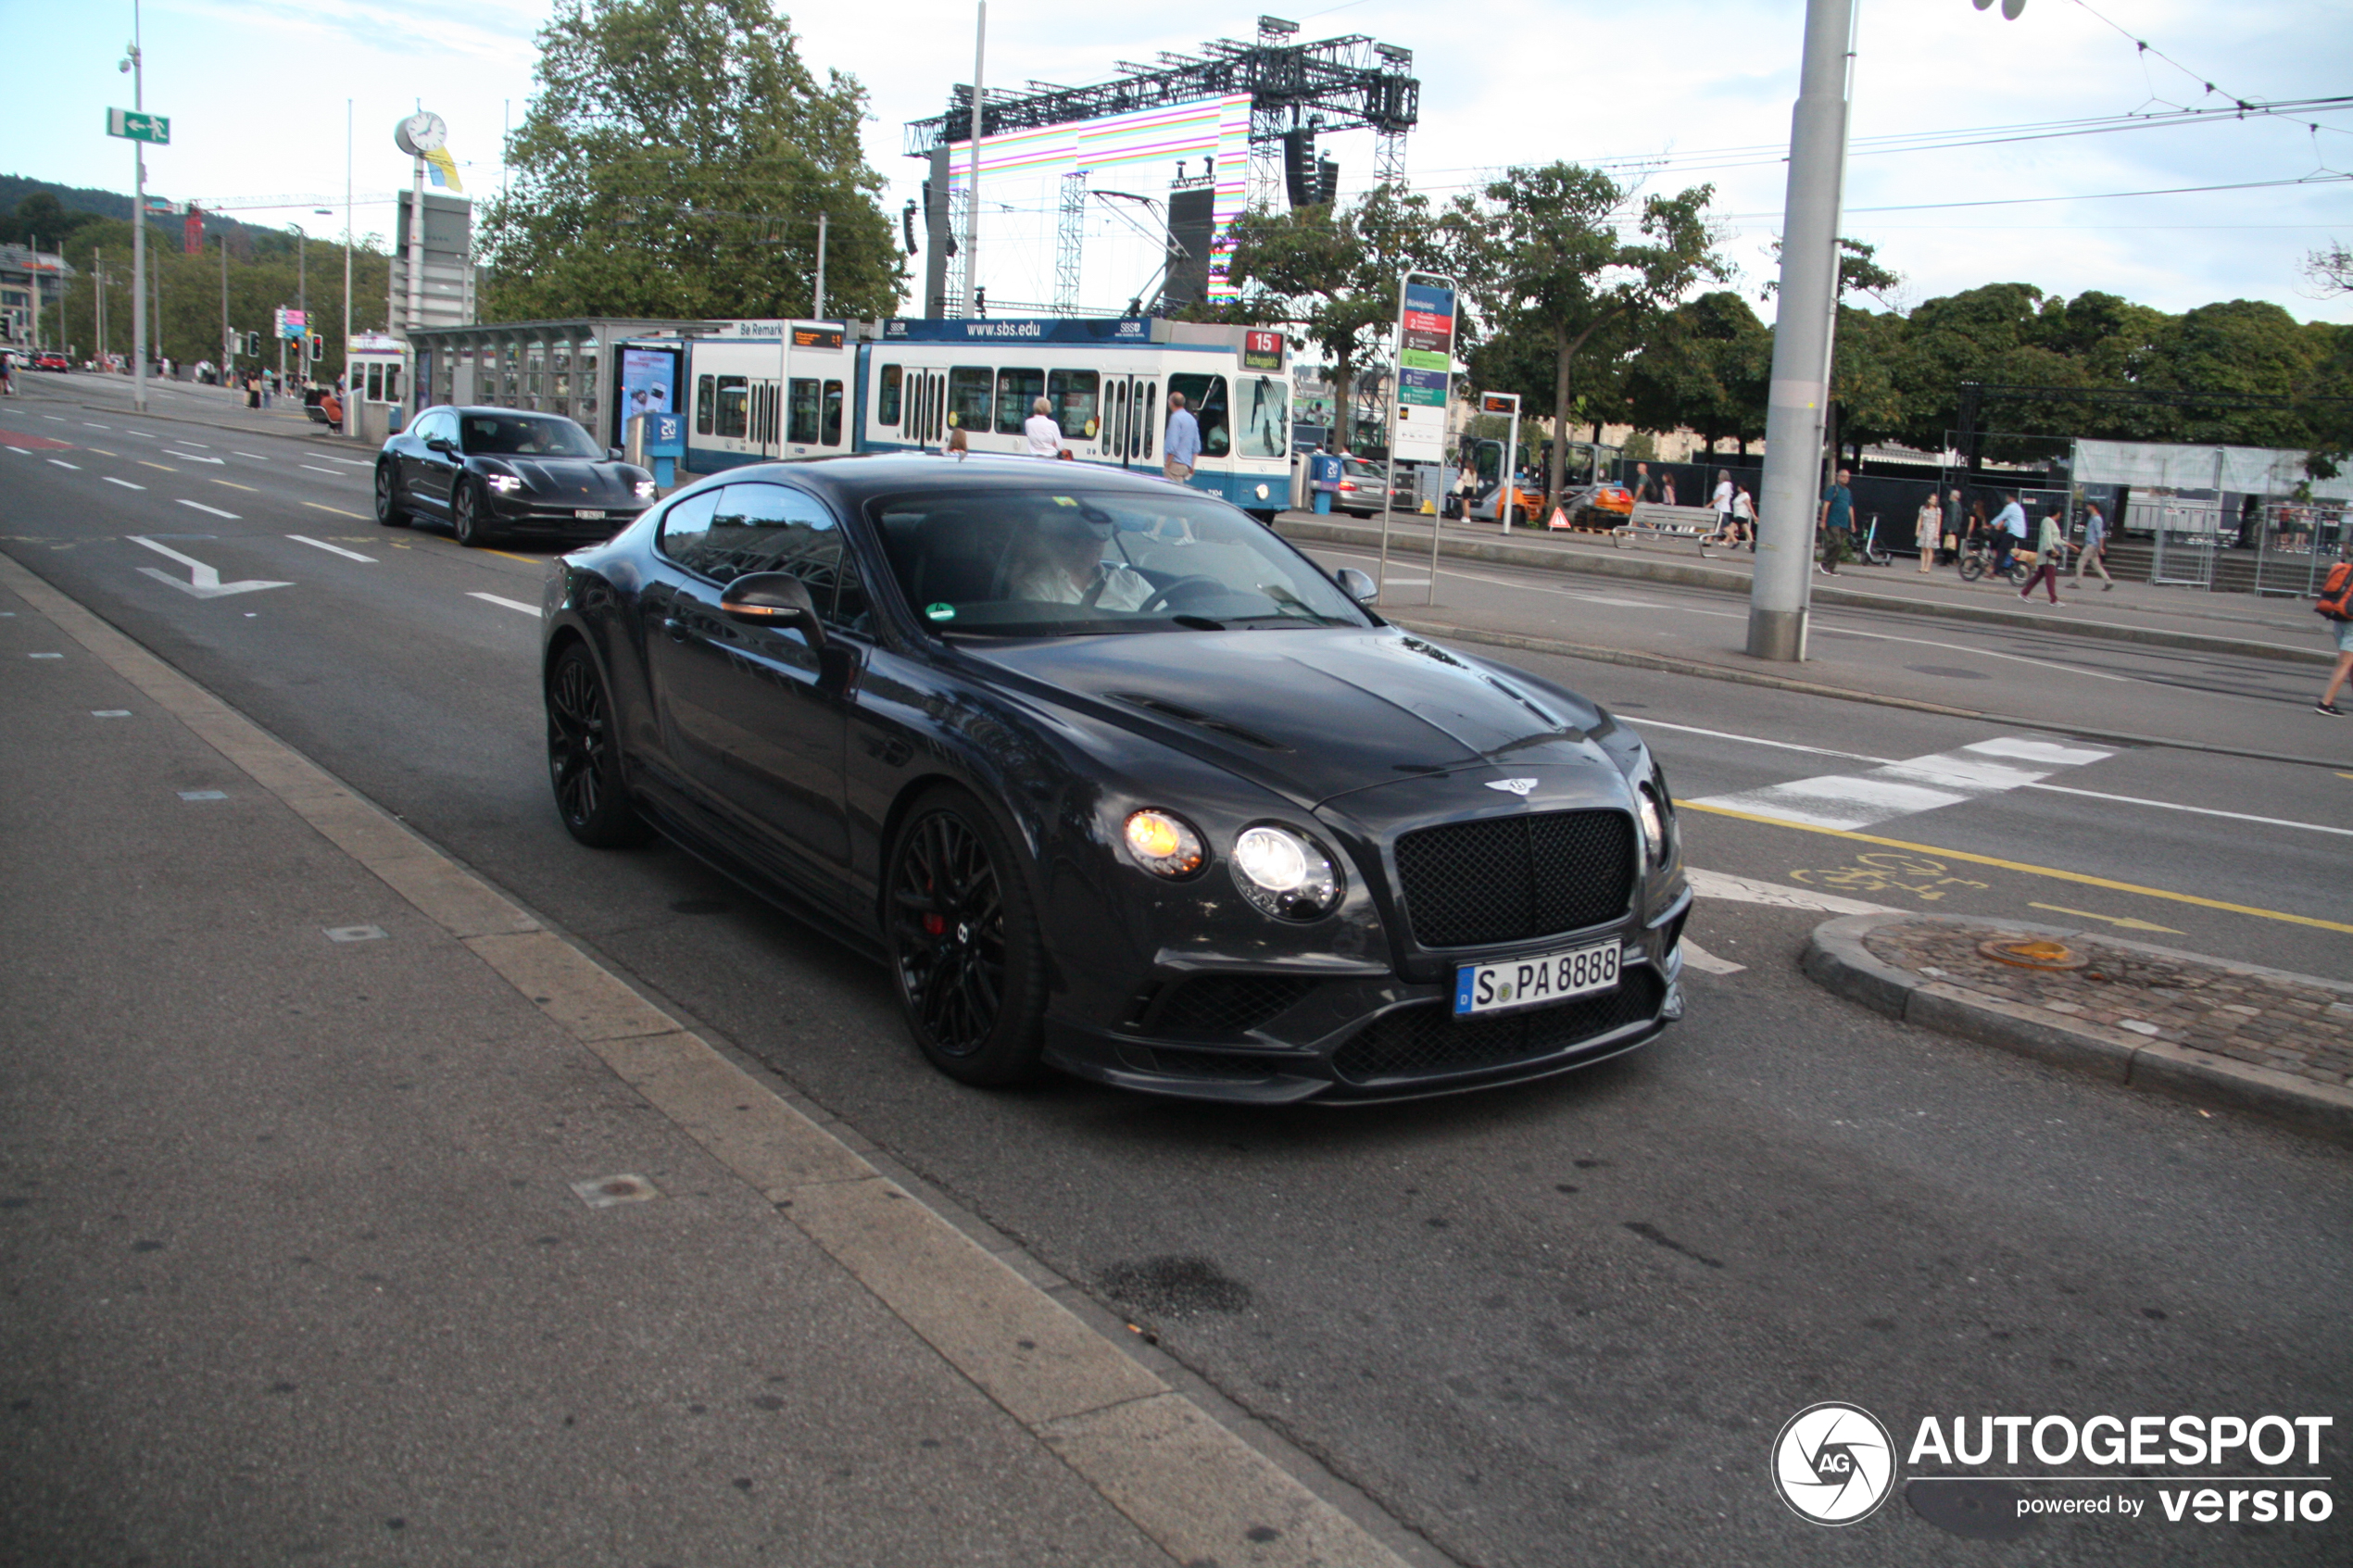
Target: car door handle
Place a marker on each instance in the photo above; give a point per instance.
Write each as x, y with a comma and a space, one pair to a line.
674, 627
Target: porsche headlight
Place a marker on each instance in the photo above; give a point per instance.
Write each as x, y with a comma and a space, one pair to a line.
505, 483
645, 490
1284, 873
1164, 844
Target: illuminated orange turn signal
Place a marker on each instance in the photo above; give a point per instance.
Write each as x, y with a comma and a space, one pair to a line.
1163, 844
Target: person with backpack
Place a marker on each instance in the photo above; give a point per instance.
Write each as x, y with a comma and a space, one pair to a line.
2335, 606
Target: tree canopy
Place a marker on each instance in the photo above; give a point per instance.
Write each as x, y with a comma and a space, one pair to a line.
674, 163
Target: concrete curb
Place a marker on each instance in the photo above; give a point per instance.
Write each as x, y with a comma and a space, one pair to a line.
1837, 959
1706, 670
1499, 552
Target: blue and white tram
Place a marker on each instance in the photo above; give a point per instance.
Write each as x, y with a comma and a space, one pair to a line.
1109, 387
761, 390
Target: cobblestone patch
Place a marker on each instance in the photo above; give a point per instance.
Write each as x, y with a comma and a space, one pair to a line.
2267, 1020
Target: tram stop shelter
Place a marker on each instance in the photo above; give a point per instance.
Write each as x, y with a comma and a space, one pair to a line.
570, 368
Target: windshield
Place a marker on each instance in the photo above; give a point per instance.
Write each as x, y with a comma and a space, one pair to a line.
1067, 562
525, 435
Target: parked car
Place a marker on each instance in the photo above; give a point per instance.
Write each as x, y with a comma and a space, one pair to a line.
497, 472
1112, 778
50, 360
1363, 488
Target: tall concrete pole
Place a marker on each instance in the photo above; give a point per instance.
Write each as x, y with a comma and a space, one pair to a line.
1799, 398
138, 228
972, 186
350, 399
820, 311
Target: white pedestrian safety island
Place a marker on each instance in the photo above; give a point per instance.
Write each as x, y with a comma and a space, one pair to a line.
1851, 801
203, 581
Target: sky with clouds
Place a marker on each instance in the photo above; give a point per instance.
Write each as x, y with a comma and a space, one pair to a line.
1694, 91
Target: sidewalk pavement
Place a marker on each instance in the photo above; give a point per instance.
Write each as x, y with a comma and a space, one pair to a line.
2266, 627
349, 1215
2204, 1029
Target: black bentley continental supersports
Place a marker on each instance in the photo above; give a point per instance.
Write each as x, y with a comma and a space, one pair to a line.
1113, 778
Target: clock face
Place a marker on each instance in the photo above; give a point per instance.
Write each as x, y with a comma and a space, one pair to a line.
421, 133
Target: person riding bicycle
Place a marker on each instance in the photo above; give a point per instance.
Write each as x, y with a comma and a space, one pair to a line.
2009, 533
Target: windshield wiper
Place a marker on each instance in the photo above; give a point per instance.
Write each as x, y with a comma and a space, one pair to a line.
1198, 622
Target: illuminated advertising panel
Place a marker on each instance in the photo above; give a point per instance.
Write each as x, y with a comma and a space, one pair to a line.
1151, 140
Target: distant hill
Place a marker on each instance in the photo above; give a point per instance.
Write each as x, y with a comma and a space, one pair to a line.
14, 188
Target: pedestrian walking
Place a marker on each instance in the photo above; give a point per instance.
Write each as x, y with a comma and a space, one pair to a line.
1180, 445
1645, 485
2335, 604
1837, 522
1956, 520
1045, 436
1745, 518
2094, 556
2009, 533
1723, 504
7, 374
2050, 543
1927, 529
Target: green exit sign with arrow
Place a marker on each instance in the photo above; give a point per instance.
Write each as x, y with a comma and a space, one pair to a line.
136, 127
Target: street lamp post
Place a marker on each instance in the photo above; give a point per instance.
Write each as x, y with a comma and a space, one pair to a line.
131, 63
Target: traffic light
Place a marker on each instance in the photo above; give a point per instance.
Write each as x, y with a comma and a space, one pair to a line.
318, 347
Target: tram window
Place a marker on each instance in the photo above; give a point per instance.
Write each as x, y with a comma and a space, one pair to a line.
702, 404
1148, 416
1074, 394
802, 431
733, 393
1016, 389
886, 405
829, 422
1206, 399
1266, 418
971, 390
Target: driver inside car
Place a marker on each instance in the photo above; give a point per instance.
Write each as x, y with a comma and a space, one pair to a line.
1062, 563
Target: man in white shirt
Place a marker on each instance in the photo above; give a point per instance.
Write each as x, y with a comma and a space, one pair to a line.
2009, 533
1062, 563
1045, 436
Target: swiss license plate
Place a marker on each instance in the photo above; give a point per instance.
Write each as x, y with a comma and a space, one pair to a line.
589, 517
1533, 982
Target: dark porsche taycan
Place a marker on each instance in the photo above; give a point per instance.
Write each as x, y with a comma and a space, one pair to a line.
493, 473
1114, 778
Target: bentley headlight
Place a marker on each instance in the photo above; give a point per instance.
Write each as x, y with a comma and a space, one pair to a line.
505, 483
1164, 844
1653, 814
1284, 873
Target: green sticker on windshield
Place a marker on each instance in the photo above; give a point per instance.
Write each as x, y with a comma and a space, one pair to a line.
1066, 501
939, 612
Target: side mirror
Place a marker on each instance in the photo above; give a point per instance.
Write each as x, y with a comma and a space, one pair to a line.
615, 455
442, 445
1356, 586
777, 599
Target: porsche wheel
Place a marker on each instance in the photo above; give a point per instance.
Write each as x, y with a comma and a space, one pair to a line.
583, 760
965, 942
389, 511
465, 517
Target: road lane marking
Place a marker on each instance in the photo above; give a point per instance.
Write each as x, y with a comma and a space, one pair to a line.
331, 474
337, 511
125, 482
1920, 784
60, 417
63, 464
200, 445
2047, 788
354, 462
144, 434
202, 508
2126, 922
531, 610
234, 485
255, 456
91, 424
192, 457
144, 464
1698, 958
1733, 889
2083, 878
509, 555
99, 450
203, 582
336, 550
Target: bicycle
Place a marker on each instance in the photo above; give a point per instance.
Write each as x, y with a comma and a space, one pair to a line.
1976, 559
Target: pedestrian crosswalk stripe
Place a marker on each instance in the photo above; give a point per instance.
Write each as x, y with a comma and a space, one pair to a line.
1901, 789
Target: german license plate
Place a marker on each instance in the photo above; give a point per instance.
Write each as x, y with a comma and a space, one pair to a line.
1486, 988
589, 517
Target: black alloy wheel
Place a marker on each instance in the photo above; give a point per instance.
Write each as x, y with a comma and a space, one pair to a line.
583, 761
465, 515
388, 510
964, 943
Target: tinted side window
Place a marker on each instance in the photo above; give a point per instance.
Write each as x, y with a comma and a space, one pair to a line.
829, 424
702, 404
1074, 393
1206, 399
686, 528
1017, 391
886, 405
735, 396
771, 528
969, 397
804, 428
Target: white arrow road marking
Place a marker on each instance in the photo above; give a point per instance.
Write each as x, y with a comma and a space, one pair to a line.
531, 610
336, 550
125, 482
191, 457
63, 464
206, 583
1698, 958
1849, 801
214, 510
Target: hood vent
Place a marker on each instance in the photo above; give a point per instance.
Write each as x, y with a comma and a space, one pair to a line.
1162, 708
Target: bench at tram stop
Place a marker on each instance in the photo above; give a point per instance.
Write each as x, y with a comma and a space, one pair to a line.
1656, 522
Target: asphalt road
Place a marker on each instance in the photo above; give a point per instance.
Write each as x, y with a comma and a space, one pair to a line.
1560, 1325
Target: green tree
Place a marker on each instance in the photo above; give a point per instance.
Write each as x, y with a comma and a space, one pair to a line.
1547, 253
673, 164
40, 216
1332, 271
1704, 366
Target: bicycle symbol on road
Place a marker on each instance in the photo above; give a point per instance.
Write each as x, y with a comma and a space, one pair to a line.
1884, 873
